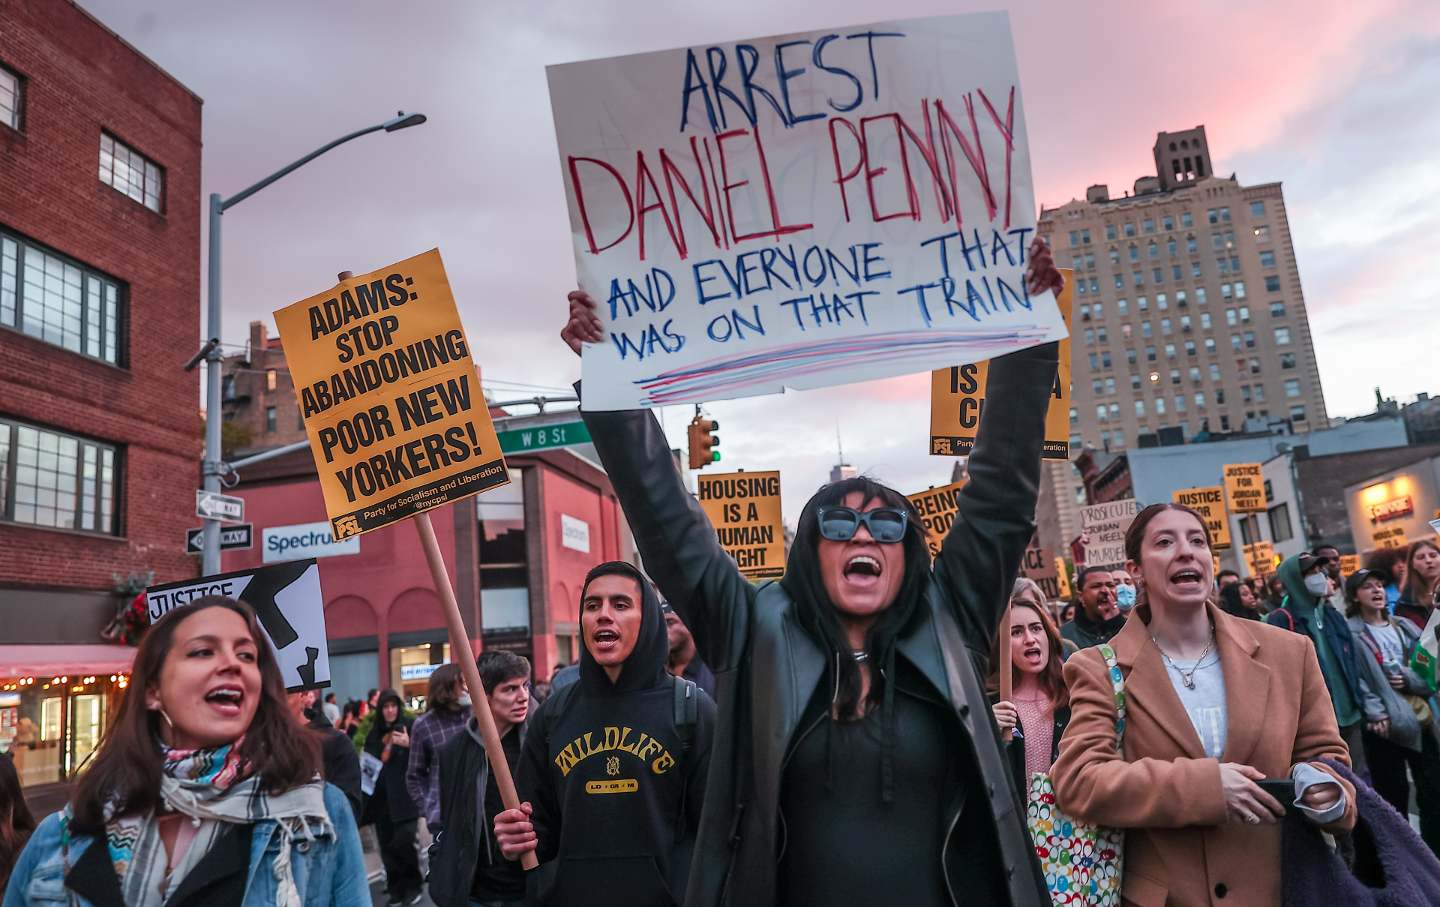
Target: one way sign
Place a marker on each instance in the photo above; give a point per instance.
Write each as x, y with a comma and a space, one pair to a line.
212, 505
231, 537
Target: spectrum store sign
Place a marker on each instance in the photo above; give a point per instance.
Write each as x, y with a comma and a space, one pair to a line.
306, 540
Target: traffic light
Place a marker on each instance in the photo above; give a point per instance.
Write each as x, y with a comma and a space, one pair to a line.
703, 442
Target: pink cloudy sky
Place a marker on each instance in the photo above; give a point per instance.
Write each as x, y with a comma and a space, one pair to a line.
1337, 100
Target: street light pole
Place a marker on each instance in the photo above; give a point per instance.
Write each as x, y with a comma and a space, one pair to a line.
213, 467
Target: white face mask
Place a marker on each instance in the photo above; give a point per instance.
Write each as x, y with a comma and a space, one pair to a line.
1317, 584
464, 700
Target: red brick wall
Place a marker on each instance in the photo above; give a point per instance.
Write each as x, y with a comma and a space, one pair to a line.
79, 79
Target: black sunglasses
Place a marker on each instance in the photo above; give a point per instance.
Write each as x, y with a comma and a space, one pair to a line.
885, 524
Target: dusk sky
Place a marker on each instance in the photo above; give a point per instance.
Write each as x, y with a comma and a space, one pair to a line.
1335, 100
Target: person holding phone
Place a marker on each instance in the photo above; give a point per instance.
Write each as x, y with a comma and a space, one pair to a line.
1215, 705
395, 814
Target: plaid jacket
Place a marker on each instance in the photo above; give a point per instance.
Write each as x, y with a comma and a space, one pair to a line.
432, 730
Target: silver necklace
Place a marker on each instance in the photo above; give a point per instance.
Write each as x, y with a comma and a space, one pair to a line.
1187, 677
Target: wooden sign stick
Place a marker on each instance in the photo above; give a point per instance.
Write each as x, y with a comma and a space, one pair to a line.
1007, 668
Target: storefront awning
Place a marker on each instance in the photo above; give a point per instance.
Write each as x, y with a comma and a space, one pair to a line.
35, 661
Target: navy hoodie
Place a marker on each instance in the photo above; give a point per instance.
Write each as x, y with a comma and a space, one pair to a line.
615, 794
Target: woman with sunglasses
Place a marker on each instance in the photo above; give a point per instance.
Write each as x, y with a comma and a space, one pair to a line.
205, 791
853, 714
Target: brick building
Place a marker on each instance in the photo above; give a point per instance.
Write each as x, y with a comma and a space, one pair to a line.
257, 396
1189, 315
99, 302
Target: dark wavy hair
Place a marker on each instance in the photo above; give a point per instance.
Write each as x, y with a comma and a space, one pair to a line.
126, 767
16, 820
444, 689
1052, 678
817, 614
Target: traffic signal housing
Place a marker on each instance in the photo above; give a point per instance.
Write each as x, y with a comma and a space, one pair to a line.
703, 442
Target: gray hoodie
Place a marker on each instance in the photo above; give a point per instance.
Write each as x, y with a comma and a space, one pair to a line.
1382, 701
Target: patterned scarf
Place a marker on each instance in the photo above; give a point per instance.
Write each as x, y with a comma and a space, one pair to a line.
213, 786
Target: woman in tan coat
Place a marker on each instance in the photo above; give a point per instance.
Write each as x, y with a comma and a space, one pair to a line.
1214, 704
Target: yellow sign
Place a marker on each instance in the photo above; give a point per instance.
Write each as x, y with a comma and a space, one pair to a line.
1209, 502
744, 508
1349, 563
937, 508
390, 397
1037, 565
1390, 537
1261, 557
1063, 577
1245, 488
957, 397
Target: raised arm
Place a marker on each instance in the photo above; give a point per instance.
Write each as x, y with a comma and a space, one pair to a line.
676, 541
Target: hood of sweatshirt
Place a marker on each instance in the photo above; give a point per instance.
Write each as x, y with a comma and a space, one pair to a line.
1299, 599
645, 668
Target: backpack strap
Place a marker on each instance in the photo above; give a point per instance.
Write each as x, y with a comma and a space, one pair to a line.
1290, 618
1117, 683
687, 711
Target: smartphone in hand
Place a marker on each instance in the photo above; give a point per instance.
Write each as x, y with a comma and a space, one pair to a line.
1282, 789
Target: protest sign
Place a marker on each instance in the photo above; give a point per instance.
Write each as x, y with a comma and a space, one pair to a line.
1261, 558
1104, 527
1062, 576
800, 210
1040, 566
287, 600
957, 398
1244, 488
1209, 502
390, 397
1349, 563
744, 508
937, 508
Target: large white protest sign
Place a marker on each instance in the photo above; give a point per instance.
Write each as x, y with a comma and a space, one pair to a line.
801, 210
287, 600
1104, 526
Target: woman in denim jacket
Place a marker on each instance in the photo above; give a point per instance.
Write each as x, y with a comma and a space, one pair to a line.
205, 791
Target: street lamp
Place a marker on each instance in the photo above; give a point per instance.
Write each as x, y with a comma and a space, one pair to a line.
212, 468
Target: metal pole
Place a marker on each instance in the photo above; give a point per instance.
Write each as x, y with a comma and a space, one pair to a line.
210, 470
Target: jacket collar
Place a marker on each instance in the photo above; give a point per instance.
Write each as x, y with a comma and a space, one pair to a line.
1148, 685
93, 875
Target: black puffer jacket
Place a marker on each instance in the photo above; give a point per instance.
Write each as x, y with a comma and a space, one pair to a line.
767, 666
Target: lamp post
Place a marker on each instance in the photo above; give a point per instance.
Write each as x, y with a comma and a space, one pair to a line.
213, 468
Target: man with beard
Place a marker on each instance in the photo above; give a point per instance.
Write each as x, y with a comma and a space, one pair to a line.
684, 661
1098, 618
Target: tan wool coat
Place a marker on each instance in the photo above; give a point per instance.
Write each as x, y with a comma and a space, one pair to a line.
1180, 850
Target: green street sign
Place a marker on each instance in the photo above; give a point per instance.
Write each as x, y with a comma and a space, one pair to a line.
543, 437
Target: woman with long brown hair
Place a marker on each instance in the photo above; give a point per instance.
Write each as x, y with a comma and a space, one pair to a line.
205, 790
1421, 584
16, 823
1039, 705
1214, 704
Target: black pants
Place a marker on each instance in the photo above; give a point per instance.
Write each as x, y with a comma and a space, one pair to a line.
401, 856
1387, 772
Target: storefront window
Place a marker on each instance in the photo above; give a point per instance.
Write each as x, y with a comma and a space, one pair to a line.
504, 565
410, 670
51, 726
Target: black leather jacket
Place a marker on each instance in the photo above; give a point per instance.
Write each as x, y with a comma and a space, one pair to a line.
767, 667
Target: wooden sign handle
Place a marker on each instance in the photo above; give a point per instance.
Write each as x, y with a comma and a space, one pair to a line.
1007, 668
461, 654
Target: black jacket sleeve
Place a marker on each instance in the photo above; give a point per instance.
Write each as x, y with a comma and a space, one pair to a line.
342, 767
536, 784
676, 541
981, 555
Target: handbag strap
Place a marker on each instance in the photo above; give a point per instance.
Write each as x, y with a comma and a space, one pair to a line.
1117, 682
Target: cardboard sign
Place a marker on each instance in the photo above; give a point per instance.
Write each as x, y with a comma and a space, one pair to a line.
1349, 563
1261, 558
1209, 502
1104, 527
744, 508
1244, 488
957, 398
1040, 566
1390, 537
937, 507
390, 397
800, 210
1062, 575
287, 600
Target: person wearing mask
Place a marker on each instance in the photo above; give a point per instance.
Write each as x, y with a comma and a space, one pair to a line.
1399, 725
1329, 557
390, 807
1421, 584
613, 767
204, 791
1039, 707
1389, 562
1238, 600
865, 635
466, 865
683, 660
1124, 591
1067, 614
1098, 618
1226, 577
1214, 704
448, 707
16, 822
1275, 592
339, 764
1306, 610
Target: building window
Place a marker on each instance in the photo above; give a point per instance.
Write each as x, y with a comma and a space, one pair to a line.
1292, 387
1282, 336
270, 379
1085, 237
1101, 335
1149, 225
1214, 371
1176, 272
57, 300
1089, 257
1110, 386
1260, 393
1172, 247
1094, 362
1186, 220
1235, 342
1174, 376
1149, 354
1089, 337
1254, 366
1262, 233
1257, 209
270, 423
1134, 252
1179, 403
1192, 245
1119, 281
1129, 229
1110, 231
130, 173
1272, 284
1189, 347
1094, 285
1130, 356
1231, 318
1249, 340
1280, 528
1139, 409
1167, 223
1134, 382
1209, 344
1074, 237
1169, 351
1200, 400
1195, 374
1200, 296
1277, 310
57, 480
1287, 360
1074, 416
12, 98
1297, 413
1165, 325
1267, 259
1100, 411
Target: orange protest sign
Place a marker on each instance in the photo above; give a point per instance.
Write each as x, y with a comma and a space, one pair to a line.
1209, 502
744, 508
937, 507
1244, 488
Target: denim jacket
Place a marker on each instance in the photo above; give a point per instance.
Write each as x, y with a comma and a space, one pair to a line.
328, 871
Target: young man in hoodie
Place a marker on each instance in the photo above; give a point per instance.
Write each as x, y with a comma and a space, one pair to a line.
612, 771
1306, 609
1098, 618
466, 866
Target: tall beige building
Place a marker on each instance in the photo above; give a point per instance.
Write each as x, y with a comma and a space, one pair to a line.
1189, 316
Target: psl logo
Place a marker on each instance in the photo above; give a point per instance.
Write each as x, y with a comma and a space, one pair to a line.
346, 526
612, 766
